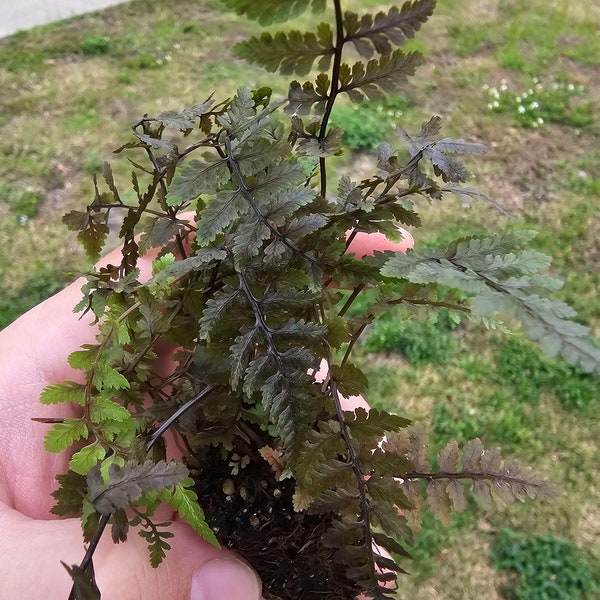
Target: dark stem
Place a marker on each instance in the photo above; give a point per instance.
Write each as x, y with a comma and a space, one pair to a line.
471, 475
418, 302
260, 322
357, 290
360, 480
171, 211
180, 411
352, 343
247, 193
87, 559
335, 82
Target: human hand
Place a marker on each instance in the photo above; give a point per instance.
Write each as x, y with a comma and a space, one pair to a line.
34, 353
35, 350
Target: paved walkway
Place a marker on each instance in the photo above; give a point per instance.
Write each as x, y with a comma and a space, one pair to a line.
24, 14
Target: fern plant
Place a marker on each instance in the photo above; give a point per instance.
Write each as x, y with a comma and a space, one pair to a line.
248, 292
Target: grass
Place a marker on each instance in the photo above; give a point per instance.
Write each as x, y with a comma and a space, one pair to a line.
541, 567
69, 92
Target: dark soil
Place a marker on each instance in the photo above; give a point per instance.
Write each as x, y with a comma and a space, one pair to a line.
252, 513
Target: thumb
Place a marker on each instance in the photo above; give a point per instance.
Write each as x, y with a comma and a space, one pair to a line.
192, 570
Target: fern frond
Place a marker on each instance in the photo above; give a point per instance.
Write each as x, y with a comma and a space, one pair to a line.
388, 74
125, 485
267, 12
504, 282
291, 52
424, 144
218, 308
379, 32
493, 480
197, 177
319, 447
303, 98
221, 212
360, 558
184, 120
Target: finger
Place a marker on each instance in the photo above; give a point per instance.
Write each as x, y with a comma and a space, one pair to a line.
350, 403
366, 244
192, 569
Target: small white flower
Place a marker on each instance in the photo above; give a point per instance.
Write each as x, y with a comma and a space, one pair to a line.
518, 99
529, 92
555, 86
494, 92
503, 87
496, 104
490, 106
521, 109
534, 105
540, 121
570, 87
23, 219
176, 46
536, 80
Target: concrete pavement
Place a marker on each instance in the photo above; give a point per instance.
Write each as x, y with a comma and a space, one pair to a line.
24, 14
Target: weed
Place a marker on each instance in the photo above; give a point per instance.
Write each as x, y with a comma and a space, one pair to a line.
145, 60
42, 283
469, 39
543, 567
383, 387
83, 121
124, 77
511, 424
519, 364
582, 176
455, 422
532, 37
194, 29
95, 44
366, 125
541, 104
577, 390
15, 59
434, 537
92, 161
421, 342
23, 204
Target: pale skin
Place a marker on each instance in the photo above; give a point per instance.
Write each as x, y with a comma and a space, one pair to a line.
34, 352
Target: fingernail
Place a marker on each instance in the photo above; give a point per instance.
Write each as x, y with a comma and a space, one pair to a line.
225, 579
